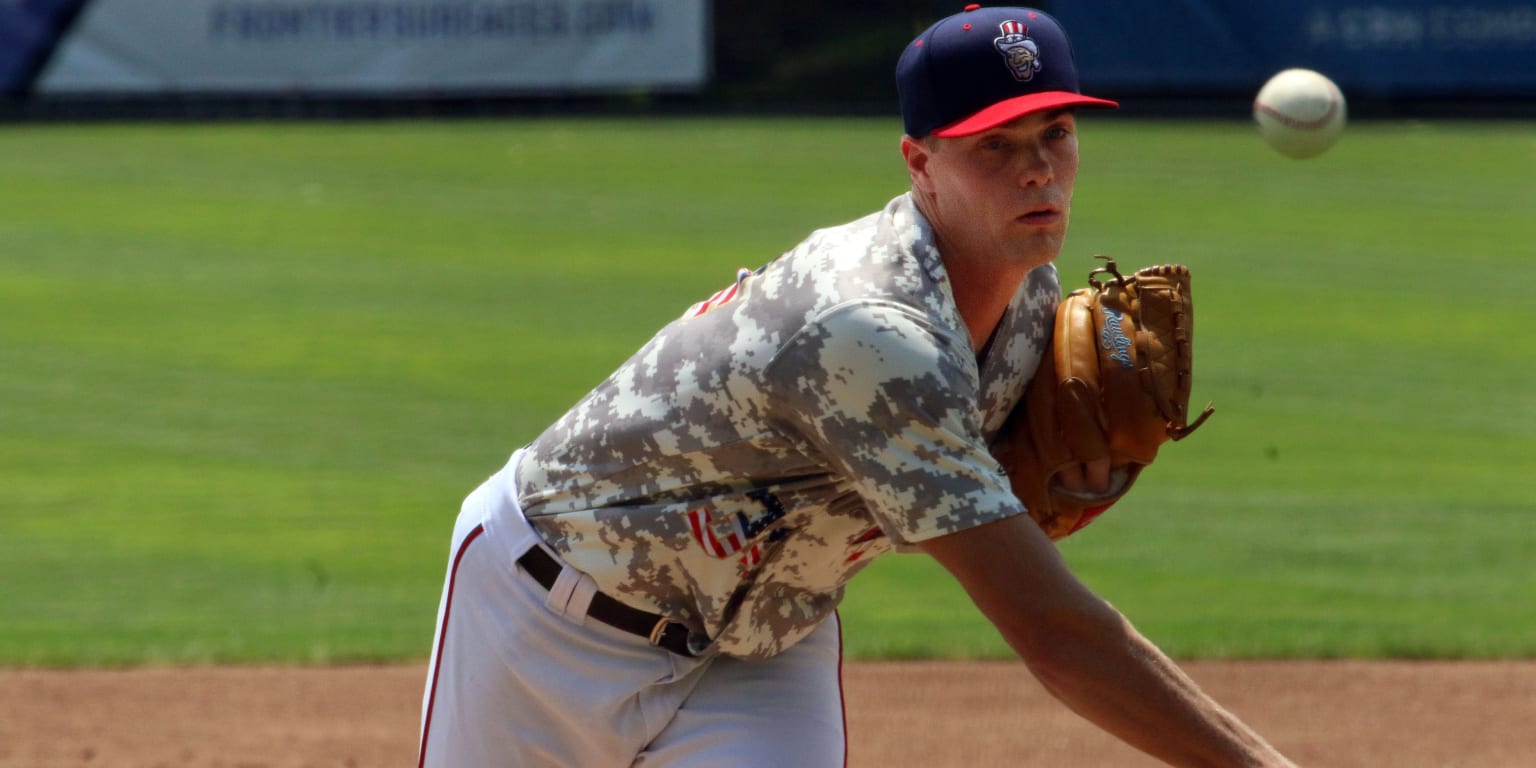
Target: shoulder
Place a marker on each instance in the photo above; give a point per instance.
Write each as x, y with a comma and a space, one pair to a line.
886, 254
874, 361
875, 337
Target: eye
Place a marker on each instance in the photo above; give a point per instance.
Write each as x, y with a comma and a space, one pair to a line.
1059, 131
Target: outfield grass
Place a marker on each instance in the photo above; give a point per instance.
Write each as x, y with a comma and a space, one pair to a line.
247, 371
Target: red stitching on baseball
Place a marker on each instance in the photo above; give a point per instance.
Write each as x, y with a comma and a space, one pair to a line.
1291, 122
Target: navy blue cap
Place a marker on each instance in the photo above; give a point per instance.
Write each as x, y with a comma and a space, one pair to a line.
983, 67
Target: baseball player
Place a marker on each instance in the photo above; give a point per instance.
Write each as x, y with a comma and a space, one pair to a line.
653, 581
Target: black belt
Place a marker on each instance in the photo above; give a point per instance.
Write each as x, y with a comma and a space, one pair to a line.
659, 630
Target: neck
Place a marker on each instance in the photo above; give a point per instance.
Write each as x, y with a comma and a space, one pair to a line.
982, 293
982, 283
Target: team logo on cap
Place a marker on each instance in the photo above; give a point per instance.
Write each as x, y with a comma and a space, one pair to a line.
1021, 52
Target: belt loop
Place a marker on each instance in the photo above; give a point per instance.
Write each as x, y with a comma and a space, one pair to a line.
582, 593
559, 597
575, 596
571, 594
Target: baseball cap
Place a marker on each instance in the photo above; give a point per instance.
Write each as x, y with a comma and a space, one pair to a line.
983, 67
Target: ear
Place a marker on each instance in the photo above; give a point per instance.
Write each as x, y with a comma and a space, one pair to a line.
917, 154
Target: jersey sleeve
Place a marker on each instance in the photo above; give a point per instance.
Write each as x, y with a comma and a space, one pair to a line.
890, 402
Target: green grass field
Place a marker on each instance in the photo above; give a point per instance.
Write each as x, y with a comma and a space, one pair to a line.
248, 371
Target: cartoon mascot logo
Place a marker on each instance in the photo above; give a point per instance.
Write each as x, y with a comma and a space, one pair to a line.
1021, 53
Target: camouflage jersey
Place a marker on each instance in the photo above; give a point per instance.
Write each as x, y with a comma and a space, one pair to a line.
759, 451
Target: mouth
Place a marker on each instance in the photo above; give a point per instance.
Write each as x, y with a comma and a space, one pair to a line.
1041, 216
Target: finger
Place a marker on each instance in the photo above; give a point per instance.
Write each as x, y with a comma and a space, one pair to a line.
1071, 478
1096, 475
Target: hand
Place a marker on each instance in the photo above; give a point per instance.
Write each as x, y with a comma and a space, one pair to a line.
1090, 478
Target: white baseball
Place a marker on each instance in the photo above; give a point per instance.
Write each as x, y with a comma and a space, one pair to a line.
1300, 113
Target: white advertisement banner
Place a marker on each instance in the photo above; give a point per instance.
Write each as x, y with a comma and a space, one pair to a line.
437, 46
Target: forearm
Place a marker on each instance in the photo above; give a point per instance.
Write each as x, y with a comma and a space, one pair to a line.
1087, 654
1110, 674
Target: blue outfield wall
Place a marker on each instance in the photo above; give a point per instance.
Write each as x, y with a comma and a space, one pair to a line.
1394, 51
1390, 49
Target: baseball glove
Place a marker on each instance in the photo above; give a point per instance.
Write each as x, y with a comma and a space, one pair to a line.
1113, 385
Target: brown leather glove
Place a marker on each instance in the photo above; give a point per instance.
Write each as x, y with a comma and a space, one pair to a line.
1114, 385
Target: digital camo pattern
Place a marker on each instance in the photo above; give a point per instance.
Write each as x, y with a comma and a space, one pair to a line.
758, 452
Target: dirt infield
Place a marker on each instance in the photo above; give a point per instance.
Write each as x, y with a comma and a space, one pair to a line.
899, 714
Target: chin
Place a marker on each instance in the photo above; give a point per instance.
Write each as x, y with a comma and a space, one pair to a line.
1036, 251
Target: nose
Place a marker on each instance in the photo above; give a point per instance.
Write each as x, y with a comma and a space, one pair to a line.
1034, 166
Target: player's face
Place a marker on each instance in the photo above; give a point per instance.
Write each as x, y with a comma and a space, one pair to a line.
1005, 193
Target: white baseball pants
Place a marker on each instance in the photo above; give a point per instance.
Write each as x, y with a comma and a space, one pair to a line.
520, 677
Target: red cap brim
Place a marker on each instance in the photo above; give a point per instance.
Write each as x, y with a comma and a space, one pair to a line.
1019, 106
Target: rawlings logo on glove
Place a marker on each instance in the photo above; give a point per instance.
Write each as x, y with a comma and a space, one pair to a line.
1113, 386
